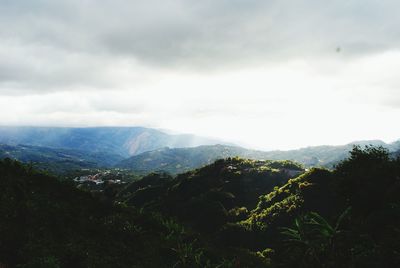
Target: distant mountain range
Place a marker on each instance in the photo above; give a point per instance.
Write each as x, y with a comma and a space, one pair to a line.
327, 155
125, 141
146, 150
178, 160
58, 161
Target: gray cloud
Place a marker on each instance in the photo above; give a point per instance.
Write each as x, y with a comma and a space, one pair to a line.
53, 45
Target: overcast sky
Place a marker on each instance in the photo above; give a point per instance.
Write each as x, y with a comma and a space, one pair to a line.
265, 74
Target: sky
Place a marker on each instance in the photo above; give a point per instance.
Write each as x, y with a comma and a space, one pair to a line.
262, 74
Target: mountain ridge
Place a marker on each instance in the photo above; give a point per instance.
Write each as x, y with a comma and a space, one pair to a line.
178, 160
125, 141
57, 160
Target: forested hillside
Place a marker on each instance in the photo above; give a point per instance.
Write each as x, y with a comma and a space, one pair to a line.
231, 213
45, 223
211, 196
344, 218
341, 218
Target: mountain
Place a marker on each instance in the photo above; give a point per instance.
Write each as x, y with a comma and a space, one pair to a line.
178, 160
208, 197
395, 154
344, 217
232, 213
48, 223
322, 216
58, 161
327, 155
146, 150
125, 141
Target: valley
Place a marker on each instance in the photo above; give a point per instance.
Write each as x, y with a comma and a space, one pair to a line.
142, 150
205, 206
259, 213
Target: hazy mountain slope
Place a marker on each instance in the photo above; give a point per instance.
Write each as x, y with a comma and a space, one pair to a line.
395, 154
125, 141
177, 160
325, 156
58, 160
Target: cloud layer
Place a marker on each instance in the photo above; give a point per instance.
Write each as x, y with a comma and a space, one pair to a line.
220, 68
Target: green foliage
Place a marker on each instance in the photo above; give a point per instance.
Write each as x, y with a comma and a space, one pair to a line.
209, 197
232, 213
279, 206
364, 178
48, 223
364, 236
312, 241
45, 262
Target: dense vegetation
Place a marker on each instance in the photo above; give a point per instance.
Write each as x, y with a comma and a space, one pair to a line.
347, 217
210, 197
47, 223
231, 213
